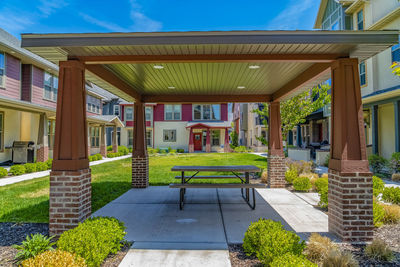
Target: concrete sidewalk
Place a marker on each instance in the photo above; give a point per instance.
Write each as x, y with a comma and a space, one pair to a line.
163, 235
30, 176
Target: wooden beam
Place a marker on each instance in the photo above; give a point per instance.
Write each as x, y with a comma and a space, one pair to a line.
212, 58
206, 98
313, 72
111, 78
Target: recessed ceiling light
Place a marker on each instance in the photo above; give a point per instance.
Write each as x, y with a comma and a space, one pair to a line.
241, 87
158, 67
171, 87
254, 67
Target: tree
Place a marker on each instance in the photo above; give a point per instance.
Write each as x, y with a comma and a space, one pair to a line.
295, 110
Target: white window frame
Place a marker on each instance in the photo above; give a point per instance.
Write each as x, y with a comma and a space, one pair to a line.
53, 87
360, 21
174, 106
149, 138
3, 70
126, 113
119, 110
363, 73
149, 111
95, 136
214, 139
167, 140
202, 112
130, 137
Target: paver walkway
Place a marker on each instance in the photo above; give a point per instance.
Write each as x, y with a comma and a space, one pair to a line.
199, 235
30, 176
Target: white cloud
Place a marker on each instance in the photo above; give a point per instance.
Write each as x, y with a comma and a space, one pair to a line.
101, 23
48, 7
14, 22
290, 18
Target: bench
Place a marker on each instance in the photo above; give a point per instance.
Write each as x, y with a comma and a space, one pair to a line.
242, 186
211, 177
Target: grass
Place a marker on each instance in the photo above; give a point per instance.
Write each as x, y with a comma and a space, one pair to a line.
28, 201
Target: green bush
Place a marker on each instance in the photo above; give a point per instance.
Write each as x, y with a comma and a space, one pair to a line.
240, 149
326, 162
41, 166
391, 194
321, 183
91, 158
3, 172
395, 161
234, 139
49, 163
377, 163
302, 184
172, 151
378, 185
114, 155
99, 156
109, 148
378, 214
180, 150
123, 149
33, 246
30, 167
267, 239
378, 250
290, 260
151, 150
94, 239
323, 197
291, 175
55, 258
17, 170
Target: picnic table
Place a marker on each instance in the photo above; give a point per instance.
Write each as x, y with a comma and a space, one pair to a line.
241, 172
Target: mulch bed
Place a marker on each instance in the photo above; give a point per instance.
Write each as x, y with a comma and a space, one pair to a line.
388, 233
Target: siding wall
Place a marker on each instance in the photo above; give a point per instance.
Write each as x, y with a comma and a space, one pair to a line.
26, 83
186, 112
38, 88
13, 78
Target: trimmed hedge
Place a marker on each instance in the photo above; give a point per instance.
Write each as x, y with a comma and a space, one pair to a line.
49, 163
378, 185
302, 184
123, 149
290, 260
41, 166
30, 167
17, 170
3, 172
321, 183
291, 175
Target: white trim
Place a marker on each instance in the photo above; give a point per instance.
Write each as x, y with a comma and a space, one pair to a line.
173, 112
119, 110
202, 112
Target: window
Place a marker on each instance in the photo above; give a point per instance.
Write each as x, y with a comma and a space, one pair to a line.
50, 86
360, 20
149, 115
395, 54
148, 138
130, 137
1, 131
51, 128
116, 110
206, 112
172, 112
128, 113
215, 136
363, 78
94, 136
169, 135
2, 69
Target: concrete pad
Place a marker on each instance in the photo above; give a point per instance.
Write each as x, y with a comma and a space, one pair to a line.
310, 198
200, 223
279, 196
234, 196
176, 258
183, 246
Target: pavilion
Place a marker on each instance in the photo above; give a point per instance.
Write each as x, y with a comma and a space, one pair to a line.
213, 67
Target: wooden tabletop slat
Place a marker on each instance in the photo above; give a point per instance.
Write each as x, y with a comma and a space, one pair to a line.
232, 168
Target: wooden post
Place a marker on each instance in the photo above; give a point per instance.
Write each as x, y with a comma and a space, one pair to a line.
114, 140
42, 152
103, 145
70, 178
191, 144
140, 161
227, 147
208, 143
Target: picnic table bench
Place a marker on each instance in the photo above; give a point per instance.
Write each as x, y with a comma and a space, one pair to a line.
237, 173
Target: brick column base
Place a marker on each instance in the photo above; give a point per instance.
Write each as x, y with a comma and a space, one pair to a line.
103, 151
70, 199
350, 206
140, 172
88, 151
115, 148
42, 154
276, 171
191, 148
208, 148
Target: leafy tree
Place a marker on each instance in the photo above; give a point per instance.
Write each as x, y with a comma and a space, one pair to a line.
296, 109
234, 138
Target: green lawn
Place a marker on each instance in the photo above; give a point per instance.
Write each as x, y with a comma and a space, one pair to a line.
29, 201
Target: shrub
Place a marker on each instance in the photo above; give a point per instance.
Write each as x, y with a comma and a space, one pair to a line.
94, 239
321, 183
99, 156
326, 162
151, 151
41, 166
378, 185
264, 176
323, 197
3, 172
290, 260
301, 166
392, 214
377, 163
55, 258
91, 158
291, 175
378, 213
49, 163
391, 194
123, 149
180, 150
172, 151
378, 250
33, 246
337, 258
302, 184
17, 170
395, 161
109, 148
30, 167
267, 240
240, 149
112, 155
318, 247
396, 177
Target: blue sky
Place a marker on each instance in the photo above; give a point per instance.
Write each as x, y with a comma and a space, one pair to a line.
66, 16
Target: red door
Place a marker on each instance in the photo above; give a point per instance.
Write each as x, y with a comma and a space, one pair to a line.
197, 142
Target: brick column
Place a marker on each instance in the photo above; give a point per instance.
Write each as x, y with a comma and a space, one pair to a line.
227, 147
350, 181
276, 157
191, 144
140, 160
42, 152
103, 145
208, 142
70, 178
114, 140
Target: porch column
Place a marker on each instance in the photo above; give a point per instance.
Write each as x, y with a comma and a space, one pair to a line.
140, 160
208, 143
103, 145
42, 152
70, 178
191, 144
350, 181
227, 147
375, 130
276, 157
114, 140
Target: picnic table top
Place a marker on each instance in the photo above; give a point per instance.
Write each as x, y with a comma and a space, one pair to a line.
226, 168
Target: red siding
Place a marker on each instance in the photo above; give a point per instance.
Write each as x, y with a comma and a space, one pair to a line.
224, 111
26, 83
186, 112
38, 88
13, 74
159, 112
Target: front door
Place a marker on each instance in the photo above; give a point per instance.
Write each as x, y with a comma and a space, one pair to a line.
197, 142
